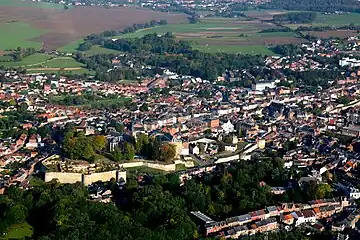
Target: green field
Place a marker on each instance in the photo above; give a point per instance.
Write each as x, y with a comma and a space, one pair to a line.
71, 47
332, 20
28, 61
28, 3
18, 231
38, 63
251, 49
59, 62
18, 34
100, 50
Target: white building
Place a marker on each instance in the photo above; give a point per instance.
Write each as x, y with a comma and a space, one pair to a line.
354, 193
228, 127
262, 85
351, 62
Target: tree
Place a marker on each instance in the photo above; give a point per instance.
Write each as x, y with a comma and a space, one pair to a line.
167, 152
144, 107
117, 155
129, 151
23, 107
85, 46
16, 214
88, 152
322, 191
99, 142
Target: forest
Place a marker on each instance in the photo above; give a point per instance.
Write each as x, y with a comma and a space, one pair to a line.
167, 52
157, 208
314, 5
295, 17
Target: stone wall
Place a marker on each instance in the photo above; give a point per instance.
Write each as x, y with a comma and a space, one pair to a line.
163, 167
102, 176
159, 166
66, 177
63, 177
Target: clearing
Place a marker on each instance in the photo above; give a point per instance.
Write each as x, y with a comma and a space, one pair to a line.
18, 231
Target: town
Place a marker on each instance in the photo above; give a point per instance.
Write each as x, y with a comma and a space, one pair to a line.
295, 115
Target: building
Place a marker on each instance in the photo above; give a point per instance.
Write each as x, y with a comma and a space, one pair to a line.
263, 85
351, 62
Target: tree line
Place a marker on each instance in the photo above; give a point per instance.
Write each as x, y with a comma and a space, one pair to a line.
158, 207
314, 5
89, 40
295, 17
18, 54
166, 52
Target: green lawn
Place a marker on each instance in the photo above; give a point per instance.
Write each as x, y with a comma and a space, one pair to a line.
28, 61
18, 231
18, 34
28, 3
250, 49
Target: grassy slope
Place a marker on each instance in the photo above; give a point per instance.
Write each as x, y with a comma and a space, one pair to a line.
17, 34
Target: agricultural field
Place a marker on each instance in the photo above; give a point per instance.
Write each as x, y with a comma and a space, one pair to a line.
264, 14
225, 35
15, 34
30, 4
30, 24
332, 20
45, 63
250, 49
333, 33
28, 61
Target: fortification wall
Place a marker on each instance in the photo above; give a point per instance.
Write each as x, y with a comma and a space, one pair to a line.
63, 177
66, 177
102, 176
188, 164
163, 167
131, 164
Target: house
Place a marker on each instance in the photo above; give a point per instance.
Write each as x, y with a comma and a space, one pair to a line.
230, 147
195, 150
32, 144
258, 215
287, 218
263, 85
305, 216
228, 127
